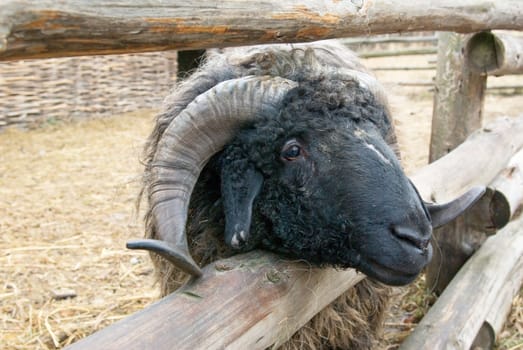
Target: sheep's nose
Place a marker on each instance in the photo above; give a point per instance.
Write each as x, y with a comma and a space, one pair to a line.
412, 236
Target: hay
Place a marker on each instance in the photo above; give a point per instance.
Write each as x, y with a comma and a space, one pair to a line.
67, 196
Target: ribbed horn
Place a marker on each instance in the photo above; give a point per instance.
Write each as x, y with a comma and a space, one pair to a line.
201, 130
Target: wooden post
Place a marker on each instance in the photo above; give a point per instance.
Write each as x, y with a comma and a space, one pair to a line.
458, 101
48, 28
495, 53
458, 106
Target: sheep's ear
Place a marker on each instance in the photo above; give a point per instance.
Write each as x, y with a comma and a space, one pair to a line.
241, 183
444, 213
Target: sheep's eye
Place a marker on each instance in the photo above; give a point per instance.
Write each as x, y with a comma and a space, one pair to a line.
291, 151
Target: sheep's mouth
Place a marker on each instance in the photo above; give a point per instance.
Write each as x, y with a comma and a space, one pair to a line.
386, 274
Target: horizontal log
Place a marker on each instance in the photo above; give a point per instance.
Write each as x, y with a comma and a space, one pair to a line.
399, 52
249, 301
391, 68
47, 28
493, 90
499, 311
390, 39
476, 161
495, 53
455, 319
254, 300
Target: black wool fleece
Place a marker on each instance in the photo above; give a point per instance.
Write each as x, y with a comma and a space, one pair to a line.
294, 214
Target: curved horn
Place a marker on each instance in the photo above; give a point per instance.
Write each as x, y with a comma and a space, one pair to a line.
202, 129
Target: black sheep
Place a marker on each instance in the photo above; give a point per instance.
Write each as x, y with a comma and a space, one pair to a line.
290, 148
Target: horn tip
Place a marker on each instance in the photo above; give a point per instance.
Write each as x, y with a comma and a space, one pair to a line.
176, 256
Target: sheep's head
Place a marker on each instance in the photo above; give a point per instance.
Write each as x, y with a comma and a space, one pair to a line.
308, 173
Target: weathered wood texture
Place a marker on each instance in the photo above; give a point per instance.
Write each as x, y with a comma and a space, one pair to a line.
391, 39
46, 28
458, 108
510, 184
472, 163
458, 100
494, 271
494, 210
502, 200
254, 300
496, 53
476, 161
398, 52
249, 301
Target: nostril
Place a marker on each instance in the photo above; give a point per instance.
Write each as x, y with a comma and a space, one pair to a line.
411, 236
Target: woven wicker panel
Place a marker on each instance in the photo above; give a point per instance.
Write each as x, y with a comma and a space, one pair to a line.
33, 92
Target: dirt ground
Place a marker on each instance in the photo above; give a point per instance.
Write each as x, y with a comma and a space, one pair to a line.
67, 198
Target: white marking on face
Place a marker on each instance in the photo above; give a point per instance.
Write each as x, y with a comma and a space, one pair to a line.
380, 155
242, 234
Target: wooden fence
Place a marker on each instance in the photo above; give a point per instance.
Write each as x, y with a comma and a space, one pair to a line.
464, 63
255, 300
49, 29
473, 307
476, 286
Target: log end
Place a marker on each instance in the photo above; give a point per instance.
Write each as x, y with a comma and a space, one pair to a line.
484, 52
500, 212
491, 213
486, 337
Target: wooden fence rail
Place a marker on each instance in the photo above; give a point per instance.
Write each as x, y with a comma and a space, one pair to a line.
254, 300
47, 28
391, 39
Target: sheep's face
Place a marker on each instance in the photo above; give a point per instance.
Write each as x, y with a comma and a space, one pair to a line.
324, 186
